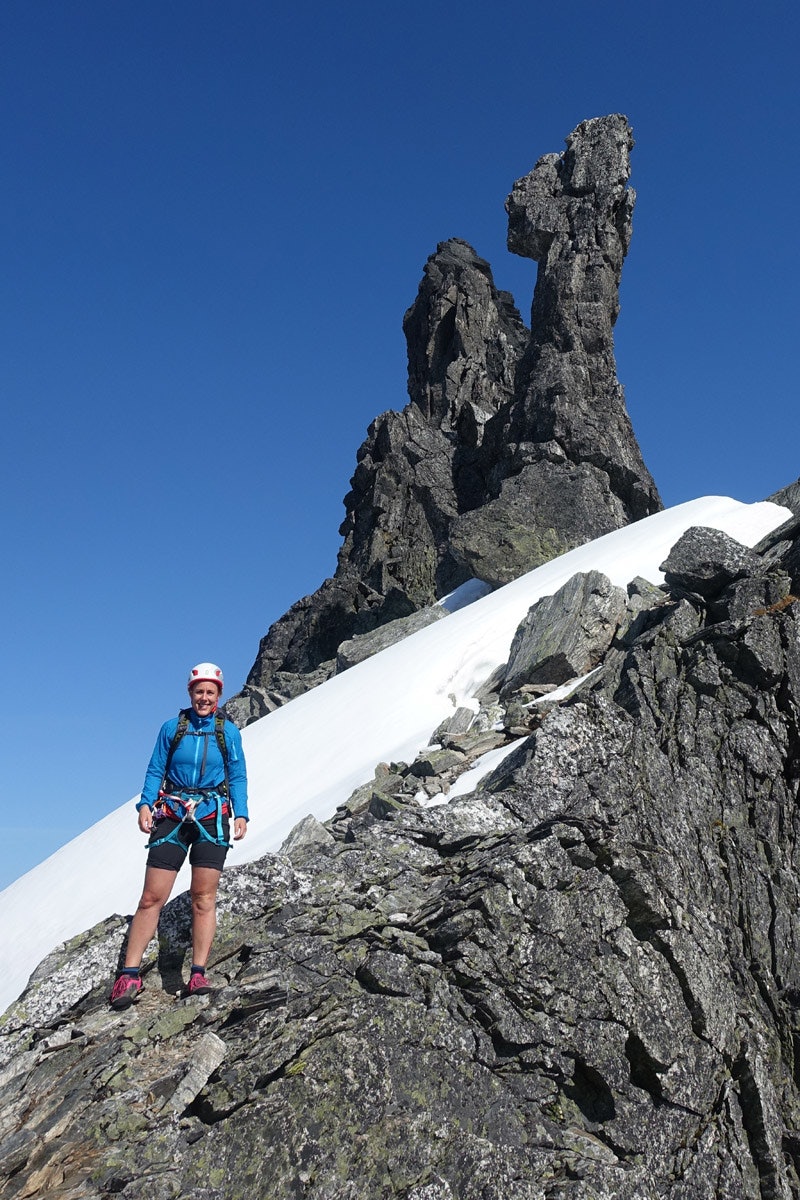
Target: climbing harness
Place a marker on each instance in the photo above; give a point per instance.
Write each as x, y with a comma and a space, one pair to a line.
188, 799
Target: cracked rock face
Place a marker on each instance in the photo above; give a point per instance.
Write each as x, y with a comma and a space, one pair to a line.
566, 634
415, 472
515, 445
580, 981
565, 443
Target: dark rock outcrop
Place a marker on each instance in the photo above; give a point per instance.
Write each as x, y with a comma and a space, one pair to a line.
514, 447
364, 645
415, 472
706, 561
789, 497
566, 634
580, 981
567, 465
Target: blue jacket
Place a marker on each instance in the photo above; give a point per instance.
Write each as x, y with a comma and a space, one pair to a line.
186, 768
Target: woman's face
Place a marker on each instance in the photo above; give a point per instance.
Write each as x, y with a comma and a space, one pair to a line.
204, 696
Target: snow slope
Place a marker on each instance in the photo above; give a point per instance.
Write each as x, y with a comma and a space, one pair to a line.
308, 756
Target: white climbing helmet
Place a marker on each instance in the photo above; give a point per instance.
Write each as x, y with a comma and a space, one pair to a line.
206, 672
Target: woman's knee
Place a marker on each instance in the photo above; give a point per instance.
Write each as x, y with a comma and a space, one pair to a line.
204, 901
150, 901
203, 889
157, 888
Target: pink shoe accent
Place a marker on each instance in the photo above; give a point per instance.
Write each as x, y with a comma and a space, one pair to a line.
198, 985
125, 991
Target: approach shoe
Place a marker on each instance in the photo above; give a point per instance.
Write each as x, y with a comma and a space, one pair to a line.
125, 991
198, 985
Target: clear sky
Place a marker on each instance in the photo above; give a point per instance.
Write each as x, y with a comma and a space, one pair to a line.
214, 216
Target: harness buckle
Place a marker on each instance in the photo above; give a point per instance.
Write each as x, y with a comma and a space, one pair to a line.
187, 804
189, 807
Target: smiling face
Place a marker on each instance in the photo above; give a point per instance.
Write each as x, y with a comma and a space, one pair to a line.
204, 696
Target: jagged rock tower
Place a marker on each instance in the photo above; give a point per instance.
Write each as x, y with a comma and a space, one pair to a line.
515, 445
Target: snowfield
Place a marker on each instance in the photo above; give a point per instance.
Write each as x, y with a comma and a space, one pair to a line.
307, 757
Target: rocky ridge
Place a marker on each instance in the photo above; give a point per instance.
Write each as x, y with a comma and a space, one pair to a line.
515, 444
580, 980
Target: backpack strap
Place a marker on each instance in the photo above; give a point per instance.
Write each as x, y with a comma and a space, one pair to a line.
180, 731
219, 732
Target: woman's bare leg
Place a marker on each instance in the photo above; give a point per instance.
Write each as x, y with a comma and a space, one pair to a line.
205, 881
157, 886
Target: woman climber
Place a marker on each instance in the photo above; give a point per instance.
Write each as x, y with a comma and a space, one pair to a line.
195, 783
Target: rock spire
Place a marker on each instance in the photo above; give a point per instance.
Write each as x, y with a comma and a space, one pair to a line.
515, 444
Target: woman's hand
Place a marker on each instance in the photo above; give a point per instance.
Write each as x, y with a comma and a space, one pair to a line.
146, 818
239, 829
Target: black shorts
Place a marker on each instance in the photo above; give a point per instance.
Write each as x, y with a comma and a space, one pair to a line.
202, 853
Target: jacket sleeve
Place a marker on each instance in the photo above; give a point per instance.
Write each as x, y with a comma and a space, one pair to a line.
237, 770
158, 762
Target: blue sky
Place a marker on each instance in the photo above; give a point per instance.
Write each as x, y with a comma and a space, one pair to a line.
213, 219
